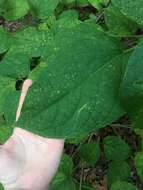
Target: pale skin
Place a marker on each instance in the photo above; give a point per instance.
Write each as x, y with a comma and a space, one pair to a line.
28, 161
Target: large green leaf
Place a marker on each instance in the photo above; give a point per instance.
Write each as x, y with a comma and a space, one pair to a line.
6, 85
1, 6
120, 185
113, 146
21, 47
76, 90
80, 86
5, 41
132, 87
131, 8
16, 64
5, 132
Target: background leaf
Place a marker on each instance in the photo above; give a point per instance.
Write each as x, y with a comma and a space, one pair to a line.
123, 185
132, 9
139, 164
118, 171
45, 9
63, 178
90, 153
116, 149
118, 23
15, 9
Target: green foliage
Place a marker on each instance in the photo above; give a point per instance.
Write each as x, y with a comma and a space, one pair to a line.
85, 77
139, 164
63, 178
98, 4
68, 1
131, 9
6, 132
123, 185
75, 81
67, 184
90, 153
132, 86
95, 3
70, 14
14, 9
81, 2
84, 187
118, 171
45, 9
5, 41
1, 187
116, 149
117, 23
66, 165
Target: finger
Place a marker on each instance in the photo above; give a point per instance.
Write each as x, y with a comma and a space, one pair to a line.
42, 160
26, 85
55, 151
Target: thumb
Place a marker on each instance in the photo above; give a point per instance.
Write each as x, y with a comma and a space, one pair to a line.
12, 160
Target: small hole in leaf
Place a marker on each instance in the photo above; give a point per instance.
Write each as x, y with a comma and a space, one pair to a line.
2, 56
19, 83
2, 119
34, 62
139, 31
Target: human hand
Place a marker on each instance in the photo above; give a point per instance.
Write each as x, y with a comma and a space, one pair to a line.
28, 161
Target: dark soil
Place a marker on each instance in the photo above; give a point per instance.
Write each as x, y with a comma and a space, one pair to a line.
97, 176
